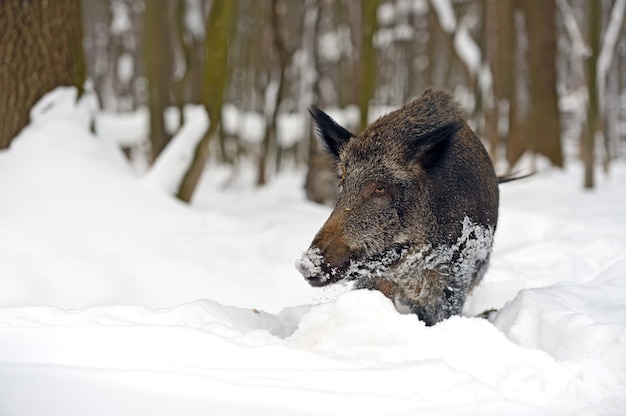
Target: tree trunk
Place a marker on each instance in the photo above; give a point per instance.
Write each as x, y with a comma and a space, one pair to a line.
594, 21
321, 183
218, 29
368, 58
282, 55
181, 84
40, 49
516, 144
158, 66
494, 31
544, 127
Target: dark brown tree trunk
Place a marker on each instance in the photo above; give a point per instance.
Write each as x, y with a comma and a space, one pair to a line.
219, 24
367, 68
502, 50
594, 22
544, 127
494, 28
181, 84
158, 67
40, 49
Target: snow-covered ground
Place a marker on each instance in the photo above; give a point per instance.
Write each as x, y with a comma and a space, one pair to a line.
116, 299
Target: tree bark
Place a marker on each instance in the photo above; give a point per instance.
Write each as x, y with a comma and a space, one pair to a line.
40, 49
218, 29
544, 127
493, 28
368, 58
594, 22
158, 66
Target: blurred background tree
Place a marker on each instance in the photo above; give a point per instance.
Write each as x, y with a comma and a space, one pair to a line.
542, 81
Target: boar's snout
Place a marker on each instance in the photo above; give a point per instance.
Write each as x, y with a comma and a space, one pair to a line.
329, 256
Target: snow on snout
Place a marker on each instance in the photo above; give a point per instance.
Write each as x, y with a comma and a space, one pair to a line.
310, 265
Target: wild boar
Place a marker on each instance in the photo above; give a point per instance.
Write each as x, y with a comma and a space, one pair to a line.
417, 210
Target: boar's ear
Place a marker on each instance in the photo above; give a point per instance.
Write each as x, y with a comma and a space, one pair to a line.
332, 134
428, 148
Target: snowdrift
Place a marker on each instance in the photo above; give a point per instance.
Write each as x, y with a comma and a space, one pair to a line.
117, 299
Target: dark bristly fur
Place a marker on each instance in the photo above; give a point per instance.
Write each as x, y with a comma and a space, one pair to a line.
417, 209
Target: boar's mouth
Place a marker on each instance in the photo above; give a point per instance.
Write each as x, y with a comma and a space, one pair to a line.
318, 272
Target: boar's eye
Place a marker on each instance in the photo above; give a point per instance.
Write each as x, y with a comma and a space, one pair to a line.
379, 190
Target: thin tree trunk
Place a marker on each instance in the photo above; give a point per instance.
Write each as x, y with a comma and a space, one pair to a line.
321, 183
544, 127
368, 58
158, 64
278, 44
181, 84
40, 49
594, 21
516, 144
218, 29
492, 29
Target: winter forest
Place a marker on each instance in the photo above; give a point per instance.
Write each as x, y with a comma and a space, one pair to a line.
160, 175
541, 79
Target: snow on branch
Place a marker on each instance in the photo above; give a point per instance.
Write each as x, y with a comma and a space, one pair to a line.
579, 47
445, 14
168, 170
465, 47
611, 35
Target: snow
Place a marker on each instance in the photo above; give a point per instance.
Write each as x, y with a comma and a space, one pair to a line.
169, 169
579, 48
386, 14
290, 128
125, 128
329, 47
117, 299
121, 21
194, 20
126, 67
467, 49
445, 14
248, 125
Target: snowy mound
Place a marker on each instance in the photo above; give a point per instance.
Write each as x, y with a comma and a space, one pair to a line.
117, 299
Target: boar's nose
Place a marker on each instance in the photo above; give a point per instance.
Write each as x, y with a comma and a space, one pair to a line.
328, 257
318, 281
336, 252
314, 268
332, 243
